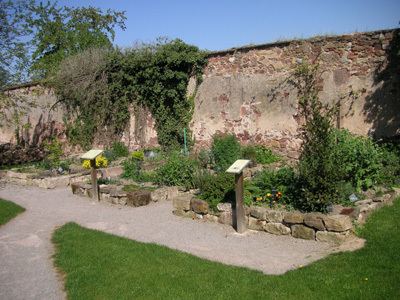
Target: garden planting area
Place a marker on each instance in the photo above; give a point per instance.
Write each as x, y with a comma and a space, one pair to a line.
199, 188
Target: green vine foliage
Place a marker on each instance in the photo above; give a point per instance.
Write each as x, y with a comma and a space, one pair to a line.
157, 76
99, 87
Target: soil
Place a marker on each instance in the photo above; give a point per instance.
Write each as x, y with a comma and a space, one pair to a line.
25, 242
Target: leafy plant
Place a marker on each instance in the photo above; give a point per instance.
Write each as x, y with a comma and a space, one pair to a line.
265, 155
55, 148
120, 149
358, 159
250, 152
204, 158
218, 188
225, 150
178, 171
317, 168
285, 180
132, 170
138, 155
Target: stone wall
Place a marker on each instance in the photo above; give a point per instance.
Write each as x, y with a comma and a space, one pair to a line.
333, 227
250, 91
32, 117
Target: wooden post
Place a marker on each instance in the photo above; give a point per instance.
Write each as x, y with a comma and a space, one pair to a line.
241, 226
95, 190
239, 217
91, 155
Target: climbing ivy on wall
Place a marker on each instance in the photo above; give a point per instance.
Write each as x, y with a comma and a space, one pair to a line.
157, 76
154, 75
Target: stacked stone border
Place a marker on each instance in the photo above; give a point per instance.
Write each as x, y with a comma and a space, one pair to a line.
333, 227
115, 195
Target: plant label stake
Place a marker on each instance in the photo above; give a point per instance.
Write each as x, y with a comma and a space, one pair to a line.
92, 155
239, 218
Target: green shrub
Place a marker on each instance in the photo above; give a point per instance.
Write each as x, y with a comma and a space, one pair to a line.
265, 155
138, 155
250, 152
132, 170
110, 155
55, 148
225, 150
218, 188
390, 171
284, 180
204, 158
120, 149
345, 190
178, 171
358, 159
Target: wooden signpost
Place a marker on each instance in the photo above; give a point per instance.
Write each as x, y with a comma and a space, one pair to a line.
240, 218
91, 155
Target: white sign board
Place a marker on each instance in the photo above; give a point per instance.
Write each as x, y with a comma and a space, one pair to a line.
92, 154
238, 166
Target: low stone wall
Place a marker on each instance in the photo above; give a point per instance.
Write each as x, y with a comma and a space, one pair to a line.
333, 227
48, 180
115, 195
44, 180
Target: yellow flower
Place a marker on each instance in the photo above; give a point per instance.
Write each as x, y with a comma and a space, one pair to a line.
268, 195
301, 266
100, 161
366, 278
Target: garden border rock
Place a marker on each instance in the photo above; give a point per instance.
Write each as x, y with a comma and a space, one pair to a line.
333, 227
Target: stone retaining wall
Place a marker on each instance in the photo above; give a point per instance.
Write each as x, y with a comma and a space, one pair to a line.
115, 195
44, 180
333, 227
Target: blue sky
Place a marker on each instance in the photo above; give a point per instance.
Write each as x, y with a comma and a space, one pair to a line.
220, 24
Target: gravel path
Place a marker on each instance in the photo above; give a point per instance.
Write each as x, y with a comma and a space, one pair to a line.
26, 270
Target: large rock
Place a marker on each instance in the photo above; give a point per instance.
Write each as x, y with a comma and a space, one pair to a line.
277, 228
274, 216
224, 206
337, 223
331, 237
258, 212
182, 202
294, 218
77, 189
159, 195
199, 206
138, 198
303, 232
315, 220
256, 224
225, 218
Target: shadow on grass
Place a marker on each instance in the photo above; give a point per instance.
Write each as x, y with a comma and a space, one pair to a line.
102, 266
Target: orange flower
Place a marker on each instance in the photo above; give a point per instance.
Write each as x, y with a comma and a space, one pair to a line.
249, 193
279, 193
259, 199
273, 201
279, 197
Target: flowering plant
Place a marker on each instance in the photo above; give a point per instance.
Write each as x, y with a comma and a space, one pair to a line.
100, 162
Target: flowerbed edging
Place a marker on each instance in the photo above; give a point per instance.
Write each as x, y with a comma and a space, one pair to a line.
333, 227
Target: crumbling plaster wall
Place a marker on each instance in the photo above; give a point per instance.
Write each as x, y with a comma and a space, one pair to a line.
251, 92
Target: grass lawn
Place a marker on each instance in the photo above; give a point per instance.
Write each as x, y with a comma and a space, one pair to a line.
102, 266
8, 210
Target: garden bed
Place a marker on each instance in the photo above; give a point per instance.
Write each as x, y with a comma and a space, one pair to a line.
333, 227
